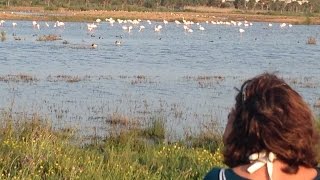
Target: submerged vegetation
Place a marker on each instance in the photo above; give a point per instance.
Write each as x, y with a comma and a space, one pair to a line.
31, 148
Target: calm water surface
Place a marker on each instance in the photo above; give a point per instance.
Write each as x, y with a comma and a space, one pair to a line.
150, 73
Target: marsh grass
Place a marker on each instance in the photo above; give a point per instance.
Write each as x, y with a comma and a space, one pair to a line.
156, 129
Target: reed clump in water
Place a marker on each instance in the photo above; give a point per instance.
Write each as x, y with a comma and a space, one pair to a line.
312, 40
66, 78
50, 37
3, 36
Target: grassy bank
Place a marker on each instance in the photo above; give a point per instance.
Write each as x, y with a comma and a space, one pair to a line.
31, 148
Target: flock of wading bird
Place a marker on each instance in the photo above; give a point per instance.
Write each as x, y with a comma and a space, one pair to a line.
129, 25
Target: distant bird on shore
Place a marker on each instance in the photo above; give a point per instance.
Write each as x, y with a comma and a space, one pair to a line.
241, 30
14, 24
270, 25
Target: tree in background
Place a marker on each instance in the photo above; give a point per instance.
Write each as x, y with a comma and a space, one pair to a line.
215, 3
314, 6
278, 6
251, 4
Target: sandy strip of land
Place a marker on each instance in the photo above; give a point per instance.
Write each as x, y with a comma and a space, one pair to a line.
214, 14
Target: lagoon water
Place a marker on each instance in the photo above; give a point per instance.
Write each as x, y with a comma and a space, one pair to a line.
187, 78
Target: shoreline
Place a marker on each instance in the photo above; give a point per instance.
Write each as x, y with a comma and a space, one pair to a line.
39, 14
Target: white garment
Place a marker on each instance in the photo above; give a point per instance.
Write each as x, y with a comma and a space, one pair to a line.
258, 160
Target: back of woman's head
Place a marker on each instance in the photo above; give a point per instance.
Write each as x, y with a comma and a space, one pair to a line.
270, 116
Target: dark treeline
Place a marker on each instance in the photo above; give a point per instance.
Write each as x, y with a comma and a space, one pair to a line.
313, 6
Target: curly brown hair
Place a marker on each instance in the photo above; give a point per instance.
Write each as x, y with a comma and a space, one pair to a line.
270, 116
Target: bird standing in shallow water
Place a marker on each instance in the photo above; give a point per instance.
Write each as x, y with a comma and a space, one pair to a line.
93, 45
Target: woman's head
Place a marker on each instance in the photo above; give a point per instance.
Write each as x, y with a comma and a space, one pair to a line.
270, 116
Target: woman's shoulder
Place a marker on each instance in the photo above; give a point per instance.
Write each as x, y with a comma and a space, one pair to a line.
318, 174
213, 174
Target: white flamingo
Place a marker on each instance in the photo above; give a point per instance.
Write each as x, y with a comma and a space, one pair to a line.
91, 26
129, 28
34, 23
157, 28
283, 25
2, 22
185, 27
125, 28
141, 28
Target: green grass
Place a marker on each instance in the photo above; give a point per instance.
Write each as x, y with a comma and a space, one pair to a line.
31, 149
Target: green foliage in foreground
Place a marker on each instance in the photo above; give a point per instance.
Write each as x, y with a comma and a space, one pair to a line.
31, 149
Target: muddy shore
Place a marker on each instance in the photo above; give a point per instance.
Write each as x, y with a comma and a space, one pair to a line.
214, 14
